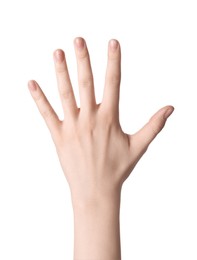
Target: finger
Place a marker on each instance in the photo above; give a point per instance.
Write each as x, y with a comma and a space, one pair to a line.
64, 83
142, 139
113, 77
44, 106
85, 76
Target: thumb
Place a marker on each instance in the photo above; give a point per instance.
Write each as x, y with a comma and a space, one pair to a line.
147, 134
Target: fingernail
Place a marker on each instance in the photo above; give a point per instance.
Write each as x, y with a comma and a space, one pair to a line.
168, 112
32, 85
59, 55
113, 45
80, 43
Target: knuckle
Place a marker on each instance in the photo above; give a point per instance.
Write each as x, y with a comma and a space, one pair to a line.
86, 81
60, 69
47, 113
86, 128
38, 97
66, 94
107, 118
114, 79
154, 130
156, 127
83, 55
113, 56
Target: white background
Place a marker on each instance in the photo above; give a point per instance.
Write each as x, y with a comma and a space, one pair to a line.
159, 67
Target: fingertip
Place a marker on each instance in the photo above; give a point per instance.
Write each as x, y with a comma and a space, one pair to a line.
114, 51
113, 44
32, 85
163, 112
79, 42
168, 112
58, 55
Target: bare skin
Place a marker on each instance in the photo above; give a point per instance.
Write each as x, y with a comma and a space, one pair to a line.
95, 154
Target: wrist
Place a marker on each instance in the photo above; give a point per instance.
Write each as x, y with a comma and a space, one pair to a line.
95, 199
96, 226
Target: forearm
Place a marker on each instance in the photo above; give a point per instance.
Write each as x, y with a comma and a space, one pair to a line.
96, 228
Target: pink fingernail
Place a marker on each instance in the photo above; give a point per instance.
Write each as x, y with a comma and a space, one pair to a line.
59, 55
32, 85
80, 43
113, 44
168, 112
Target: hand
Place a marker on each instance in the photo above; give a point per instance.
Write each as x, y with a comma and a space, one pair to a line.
94, 152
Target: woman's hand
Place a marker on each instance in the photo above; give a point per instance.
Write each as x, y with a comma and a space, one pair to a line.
94, 152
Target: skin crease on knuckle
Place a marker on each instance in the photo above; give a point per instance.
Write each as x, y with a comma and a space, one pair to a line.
86, 82
114, 80
65, 94
39, 97
157, 125
60, 69
83, 55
